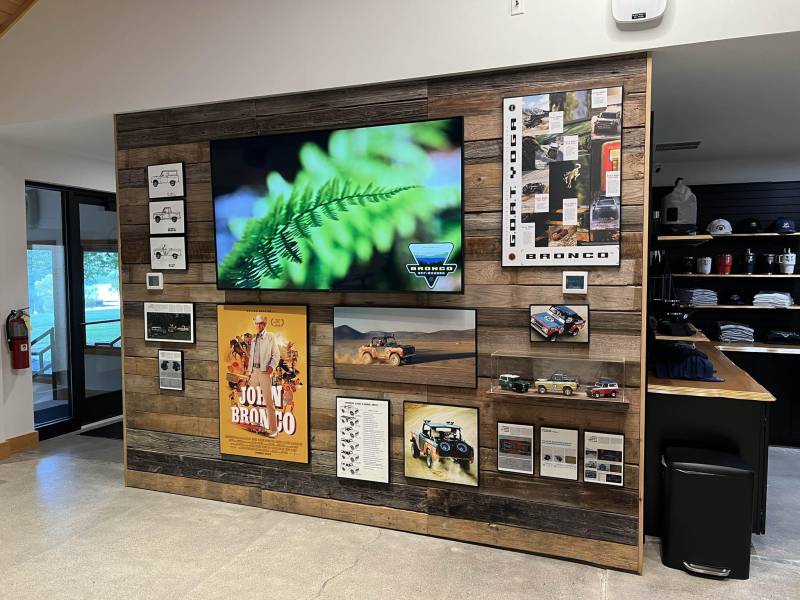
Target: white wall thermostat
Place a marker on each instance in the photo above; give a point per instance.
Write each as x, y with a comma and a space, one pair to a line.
155, 281
575, 282
637, 12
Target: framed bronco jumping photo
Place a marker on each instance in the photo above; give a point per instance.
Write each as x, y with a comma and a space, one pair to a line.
567, 323
441, 442
562, 161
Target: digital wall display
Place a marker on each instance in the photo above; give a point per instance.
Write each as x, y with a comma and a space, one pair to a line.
360, 209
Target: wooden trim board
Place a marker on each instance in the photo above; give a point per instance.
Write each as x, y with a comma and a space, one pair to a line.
608, 554
20, 443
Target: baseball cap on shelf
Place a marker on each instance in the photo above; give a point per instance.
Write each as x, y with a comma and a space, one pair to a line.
783, 225
259, 319
749, 225
719, 227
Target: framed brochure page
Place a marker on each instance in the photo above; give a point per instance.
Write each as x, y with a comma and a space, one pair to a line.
515, 448
362, 439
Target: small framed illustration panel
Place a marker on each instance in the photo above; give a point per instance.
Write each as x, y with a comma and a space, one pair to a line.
560, 323
515, 448
167, 217
558, 453
165, 181
168, 253
363, 439
441, 442
575, 282
603, 458
170, 370
169, 322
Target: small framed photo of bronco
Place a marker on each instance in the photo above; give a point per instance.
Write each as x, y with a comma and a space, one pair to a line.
441, 442
560, 323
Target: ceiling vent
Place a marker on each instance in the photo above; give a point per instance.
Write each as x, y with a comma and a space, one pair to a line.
677, 146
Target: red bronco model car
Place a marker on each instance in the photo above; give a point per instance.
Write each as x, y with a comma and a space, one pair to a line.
556, 321
604, 388
440, 441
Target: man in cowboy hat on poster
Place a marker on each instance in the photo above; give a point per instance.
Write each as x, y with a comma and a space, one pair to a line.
264, 357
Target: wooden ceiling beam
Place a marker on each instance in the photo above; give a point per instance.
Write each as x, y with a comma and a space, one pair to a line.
12, 11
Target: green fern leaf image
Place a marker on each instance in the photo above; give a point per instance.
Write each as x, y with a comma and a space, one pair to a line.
275, 236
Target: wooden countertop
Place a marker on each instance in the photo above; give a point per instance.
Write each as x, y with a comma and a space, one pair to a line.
737, 384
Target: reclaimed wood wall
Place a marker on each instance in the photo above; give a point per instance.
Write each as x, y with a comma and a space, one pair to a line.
172, 437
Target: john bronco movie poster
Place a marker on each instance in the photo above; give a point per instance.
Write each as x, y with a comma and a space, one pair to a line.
263, 374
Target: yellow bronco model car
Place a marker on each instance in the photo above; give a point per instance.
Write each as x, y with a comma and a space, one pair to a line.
558, 383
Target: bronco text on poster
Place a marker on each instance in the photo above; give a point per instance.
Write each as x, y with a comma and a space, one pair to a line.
263, 382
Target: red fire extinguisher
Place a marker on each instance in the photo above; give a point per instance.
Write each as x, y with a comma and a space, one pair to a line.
18, 339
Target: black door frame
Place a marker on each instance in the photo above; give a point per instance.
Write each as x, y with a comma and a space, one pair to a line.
71, 198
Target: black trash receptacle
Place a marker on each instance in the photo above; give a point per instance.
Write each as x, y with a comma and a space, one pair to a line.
708, 512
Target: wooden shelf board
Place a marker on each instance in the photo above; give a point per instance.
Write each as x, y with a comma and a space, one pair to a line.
744, 307
736, 385
742, 275
706, 237
577, 400
697, 336
758, 348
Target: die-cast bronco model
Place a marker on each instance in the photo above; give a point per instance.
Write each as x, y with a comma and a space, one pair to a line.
604, 388
514, 383
441, 441
558, 383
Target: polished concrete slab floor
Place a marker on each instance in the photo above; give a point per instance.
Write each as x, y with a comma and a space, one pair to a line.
69, 529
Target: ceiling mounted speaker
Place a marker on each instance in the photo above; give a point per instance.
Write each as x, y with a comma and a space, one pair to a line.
638, 13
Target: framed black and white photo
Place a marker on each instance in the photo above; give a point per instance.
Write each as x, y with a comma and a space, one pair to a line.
169, 322
167, 217
363, 439
515, 448
603, 458
168, 253
165, 181
575, 282
558, 453
170, 370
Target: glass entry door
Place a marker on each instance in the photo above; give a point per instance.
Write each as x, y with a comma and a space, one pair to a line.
73, 287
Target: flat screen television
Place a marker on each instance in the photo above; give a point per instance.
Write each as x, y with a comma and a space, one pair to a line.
366, 209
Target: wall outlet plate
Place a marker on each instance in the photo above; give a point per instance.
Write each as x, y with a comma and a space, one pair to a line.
517, 7
155, 281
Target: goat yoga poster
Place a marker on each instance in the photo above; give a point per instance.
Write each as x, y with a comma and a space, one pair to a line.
263, 374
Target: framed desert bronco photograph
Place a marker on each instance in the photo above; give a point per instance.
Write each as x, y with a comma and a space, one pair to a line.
430, 346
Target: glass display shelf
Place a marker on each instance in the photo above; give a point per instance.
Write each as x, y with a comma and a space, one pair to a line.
572, 381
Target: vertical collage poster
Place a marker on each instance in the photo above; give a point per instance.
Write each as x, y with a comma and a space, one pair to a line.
263, 364
561, 178
362, 434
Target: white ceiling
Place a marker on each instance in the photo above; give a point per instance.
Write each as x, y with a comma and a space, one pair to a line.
91, 137
741, 98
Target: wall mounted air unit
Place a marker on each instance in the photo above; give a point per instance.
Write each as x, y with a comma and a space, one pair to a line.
637, 13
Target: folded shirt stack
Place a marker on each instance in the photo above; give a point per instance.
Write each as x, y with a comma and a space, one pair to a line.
697, 296
773, 299
735, 332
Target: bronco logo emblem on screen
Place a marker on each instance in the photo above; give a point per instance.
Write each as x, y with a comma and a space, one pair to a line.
431, 261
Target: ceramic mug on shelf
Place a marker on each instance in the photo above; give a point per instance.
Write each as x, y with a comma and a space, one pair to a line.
723, 263
704, 265
786, 262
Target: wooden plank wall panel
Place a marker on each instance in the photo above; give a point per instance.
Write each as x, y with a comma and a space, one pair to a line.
172, 437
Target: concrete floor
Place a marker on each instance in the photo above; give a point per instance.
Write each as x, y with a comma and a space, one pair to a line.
69, 529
